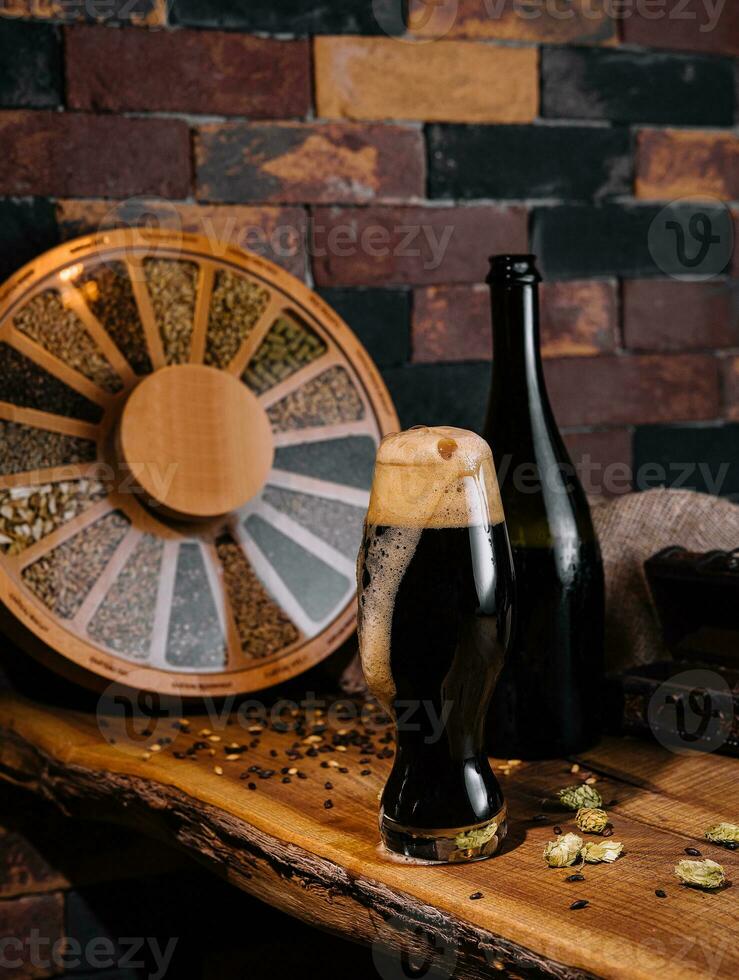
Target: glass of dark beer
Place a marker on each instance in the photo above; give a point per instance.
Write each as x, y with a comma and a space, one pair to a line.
435, 581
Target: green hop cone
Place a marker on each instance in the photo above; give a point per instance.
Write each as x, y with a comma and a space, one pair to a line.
591, 820
723, 833
476, 838
700, 874
607, 850
580, 795
563, 851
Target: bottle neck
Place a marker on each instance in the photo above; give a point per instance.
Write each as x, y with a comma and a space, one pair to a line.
517, 367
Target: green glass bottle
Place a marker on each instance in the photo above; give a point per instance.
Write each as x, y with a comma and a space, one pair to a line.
548, 699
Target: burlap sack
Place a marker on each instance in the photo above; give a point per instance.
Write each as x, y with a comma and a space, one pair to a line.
630, 529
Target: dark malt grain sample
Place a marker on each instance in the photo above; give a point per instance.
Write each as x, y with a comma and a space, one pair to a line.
195, 636
109, 294
262, 626
317, 586
172, 285
63, 578
288, 346
24, 448
328, 399
337, 523
28, 514
60, 331
125, 618
348, 461
235, 306
25, 384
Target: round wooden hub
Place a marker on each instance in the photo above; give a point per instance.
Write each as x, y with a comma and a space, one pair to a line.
196, 440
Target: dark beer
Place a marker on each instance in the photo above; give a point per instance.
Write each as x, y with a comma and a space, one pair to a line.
435, 609
547, 703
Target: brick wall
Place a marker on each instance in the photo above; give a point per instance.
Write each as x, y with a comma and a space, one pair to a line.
384, 172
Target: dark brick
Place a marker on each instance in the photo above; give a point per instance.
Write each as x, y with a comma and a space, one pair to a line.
630, 86
382, 246
603, 459
528, 161
144, 13
578, 241
690, 457
28, 228
70, 155
312, 163
39, 916
30, 65
293, 16
433, 394
186, 71
379, 317
665, 315
452, 323
279, 234
675, 163
585, 22
690, 28
631, 390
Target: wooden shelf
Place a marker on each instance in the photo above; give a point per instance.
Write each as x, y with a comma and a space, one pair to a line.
279, 843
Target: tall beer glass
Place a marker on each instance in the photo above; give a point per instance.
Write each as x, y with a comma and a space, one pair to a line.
435, 580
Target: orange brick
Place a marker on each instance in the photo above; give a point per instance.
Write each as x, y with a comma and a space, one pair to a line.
446, 81
142, 13
580, 22
681, 163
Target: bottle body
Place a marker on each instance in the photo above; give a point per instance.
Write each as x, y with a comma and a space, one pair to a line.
547, 702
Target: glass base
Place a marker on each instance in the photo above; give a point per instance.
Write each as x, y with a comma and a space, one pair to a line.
475, 843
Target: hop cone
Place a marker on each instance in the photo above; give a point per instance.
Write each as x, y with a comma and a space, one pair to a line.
591, 820
580, 795
607, 850
723, 833
700, 874
563, 851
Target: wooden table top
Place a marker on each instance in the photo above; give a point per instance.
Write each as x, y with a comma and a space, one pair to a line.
282, 843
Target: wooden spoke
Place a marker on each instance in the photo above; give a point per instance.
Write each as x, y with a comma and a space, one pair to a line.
73, 299
73, 379
62, 534
101, 588
295, 381
305, 538
165, 595
137, 275
53, 474
206, 278
319, 433
258, 332
272, 581
48, 422
319, 488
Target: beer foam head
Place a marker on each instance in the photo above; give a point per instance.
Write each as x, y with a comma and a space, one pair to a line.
434, 476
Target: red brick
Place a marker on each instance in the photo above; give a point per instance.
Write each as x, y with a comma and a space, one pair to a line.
187, 71
730, 369
413, 245
586, 22
314, 163
28, 920
673, 163
688, 28
71, 155
278, 234
447, 81
633, 390
452, 323
603, 459
666, 315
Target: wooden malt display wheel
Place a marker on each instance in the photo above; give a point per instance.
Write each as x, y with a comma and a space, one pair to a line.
187, 435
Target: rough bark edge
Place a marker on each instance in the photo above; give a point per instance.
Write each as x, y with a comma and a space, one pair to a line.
257, 863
